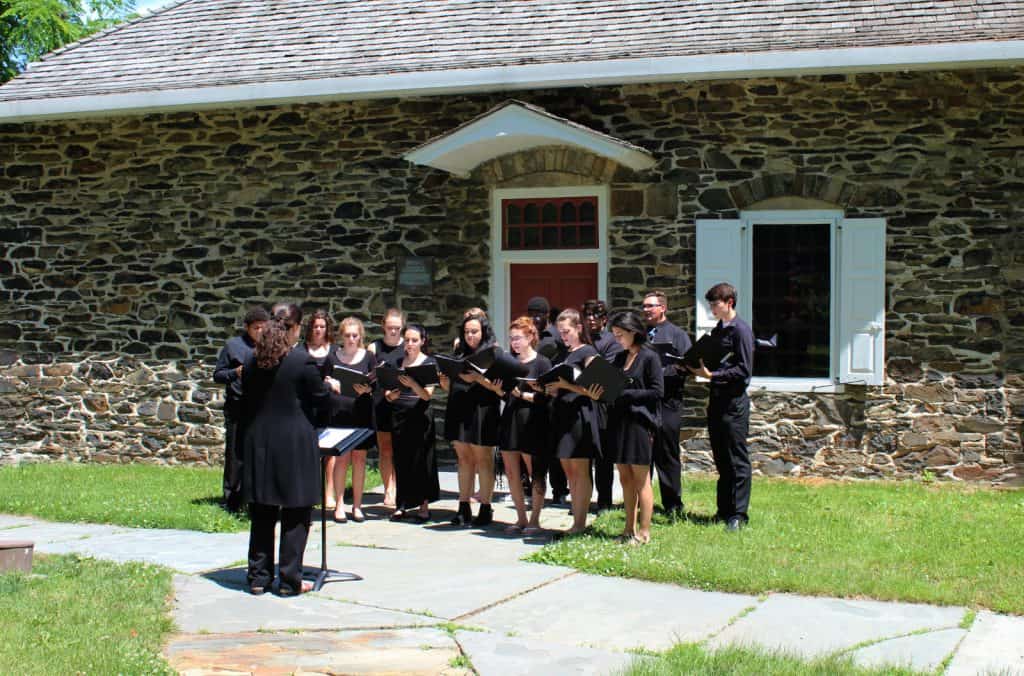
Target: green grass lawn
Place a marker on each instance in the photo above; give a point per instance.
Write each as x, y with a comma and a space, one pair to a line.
937, 543
146, 496
76, 615
693, 660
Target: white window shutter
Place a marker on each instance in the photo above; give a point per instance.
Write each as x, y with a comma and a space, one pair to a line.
862, 301
719, 259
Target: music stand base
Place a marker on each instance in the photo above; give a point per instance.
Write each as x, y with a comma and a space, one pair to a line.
324, 576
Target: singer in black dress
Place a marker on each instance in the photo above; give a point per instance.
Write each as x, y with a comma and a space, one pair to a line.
523, 429
413, 433
471, 422
351, 411
281, 386
575, 436
633, 420
387, 350
317, 342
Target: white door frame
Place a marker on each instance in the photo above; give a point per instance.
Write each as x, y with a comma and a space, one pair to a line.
501, 296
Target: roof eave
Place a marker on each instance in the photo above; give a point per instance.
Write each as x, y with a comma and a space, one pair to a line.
531, 76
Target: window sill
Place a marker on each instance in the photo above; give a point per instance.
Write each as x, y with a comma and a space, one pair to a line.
815, 385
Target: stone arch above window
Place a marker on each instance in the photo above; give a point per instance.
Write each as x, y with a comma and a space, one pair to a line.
547, 166
816, 189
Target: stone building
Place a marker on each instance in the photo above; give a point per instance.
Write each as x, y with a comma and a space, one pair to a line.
853, 167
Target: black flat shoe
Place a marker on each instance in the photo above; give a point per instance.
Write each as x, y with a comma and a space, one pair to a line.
422, 518
484, 517
735, 524
464, 516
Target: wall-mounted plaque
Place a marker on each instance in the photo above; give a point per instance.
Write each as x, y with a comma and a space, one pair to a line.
415, 274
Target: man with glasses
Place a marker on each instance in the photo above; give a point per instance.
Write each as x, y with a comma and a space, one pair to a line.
666, 443
595, 314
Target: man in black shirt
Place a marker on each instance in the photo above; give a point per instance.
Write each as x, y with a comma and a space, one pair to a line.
595, 313
729, 406
666, 443
228, 372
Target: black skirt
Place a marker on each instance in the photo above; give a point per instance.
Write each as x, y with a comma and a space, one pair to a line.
415, 462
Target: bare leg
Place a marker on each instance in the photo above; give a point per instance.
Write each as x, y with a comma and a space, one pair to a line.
580, 486
629, 498
358, 479
515, 486
483, 459
464, 453
340, 471
331, 493
645, 500
387, 467
538, 487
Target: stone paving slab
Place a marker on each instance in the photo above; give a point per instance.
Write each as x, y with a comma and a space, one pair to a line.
445, 582
921, 652
389, 651
611, 613
218, 604
496, 654
14, 521
63, 538
994, 645
184, 551
811, 626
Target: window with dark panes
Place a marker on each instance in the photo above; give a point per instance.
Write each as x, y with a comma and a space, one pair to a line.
791, 297
549, 223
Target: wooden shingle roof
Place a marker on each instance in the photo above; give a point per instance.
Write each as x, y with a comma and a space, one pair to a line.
216, 43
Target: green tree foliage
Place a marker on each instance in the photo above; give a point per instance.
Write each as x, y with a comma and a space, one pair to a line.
31, 28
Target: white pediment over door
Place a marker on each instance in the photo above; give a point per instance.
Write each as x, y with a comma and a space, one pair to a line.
513, 127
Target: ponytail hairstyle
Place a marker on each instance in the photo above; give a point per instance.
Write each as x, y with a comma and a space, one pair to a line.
424, 338
274, 342
630, 322
573, 317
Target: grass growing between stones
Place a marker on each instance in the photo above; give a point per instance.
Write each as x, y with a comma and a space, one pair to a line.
76, 615
142, 496
942, 544
692, 659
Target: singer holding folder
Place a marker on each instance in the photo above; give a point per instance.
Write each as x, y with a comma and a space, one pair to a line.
633, 420
350, 408
281, 387
729, 405
412, 429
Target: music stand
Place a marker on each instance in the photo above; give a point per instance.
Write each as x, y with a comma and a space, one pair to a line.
350, 438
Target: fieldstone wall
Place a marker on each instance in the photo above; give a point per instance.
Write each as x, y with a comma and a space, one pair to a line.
132, 245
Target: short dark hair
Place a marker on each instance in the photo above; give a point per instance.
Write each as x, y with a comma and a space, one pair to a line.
659, 294
595, 307
723, 291
630, 321
256, 314
288, 314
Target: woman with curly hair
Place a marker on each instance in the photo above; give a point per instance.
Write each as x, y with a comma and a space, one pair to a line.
281, 388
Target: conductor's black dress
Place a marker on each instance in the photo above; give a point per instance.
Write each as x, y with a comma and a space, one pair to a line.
473, 411
634, 418
413, 442
574, 417
281, 476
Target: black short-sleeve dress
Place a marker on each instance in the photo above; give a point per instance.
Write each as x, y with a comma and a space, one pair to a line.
348, 411
392, 354
524, 425
574, 418
412, 427
635, 416
472, 413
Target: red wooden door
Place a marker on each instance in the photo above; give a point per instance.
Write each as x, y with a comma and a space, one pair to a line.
565, 285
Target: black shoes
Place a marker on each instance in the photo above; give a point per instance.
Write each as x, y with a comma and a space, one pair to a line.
484, 516
734, 524
464, 516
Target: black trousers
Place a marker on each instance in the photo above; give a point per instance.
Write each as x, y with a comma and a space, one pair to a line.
666, 459
604, 473
556, 475
728, 424
294, 532
232, 462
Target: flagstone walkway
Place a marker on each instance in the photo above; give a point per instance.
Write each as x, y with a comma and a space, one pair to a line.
433, 600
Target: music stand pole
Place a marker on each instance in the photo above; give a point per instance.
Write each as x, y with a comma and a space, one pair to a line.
325, 574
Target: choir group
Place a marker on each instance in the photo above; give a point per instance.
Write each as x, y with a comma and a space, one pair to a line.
284, 379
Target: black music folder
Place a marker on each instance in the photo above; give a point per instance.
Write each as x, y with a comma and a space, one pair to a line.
707, 349
480, 361
424, 374
600, 372
350, 377
508, 370
339, 440
667, 354
566, 371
